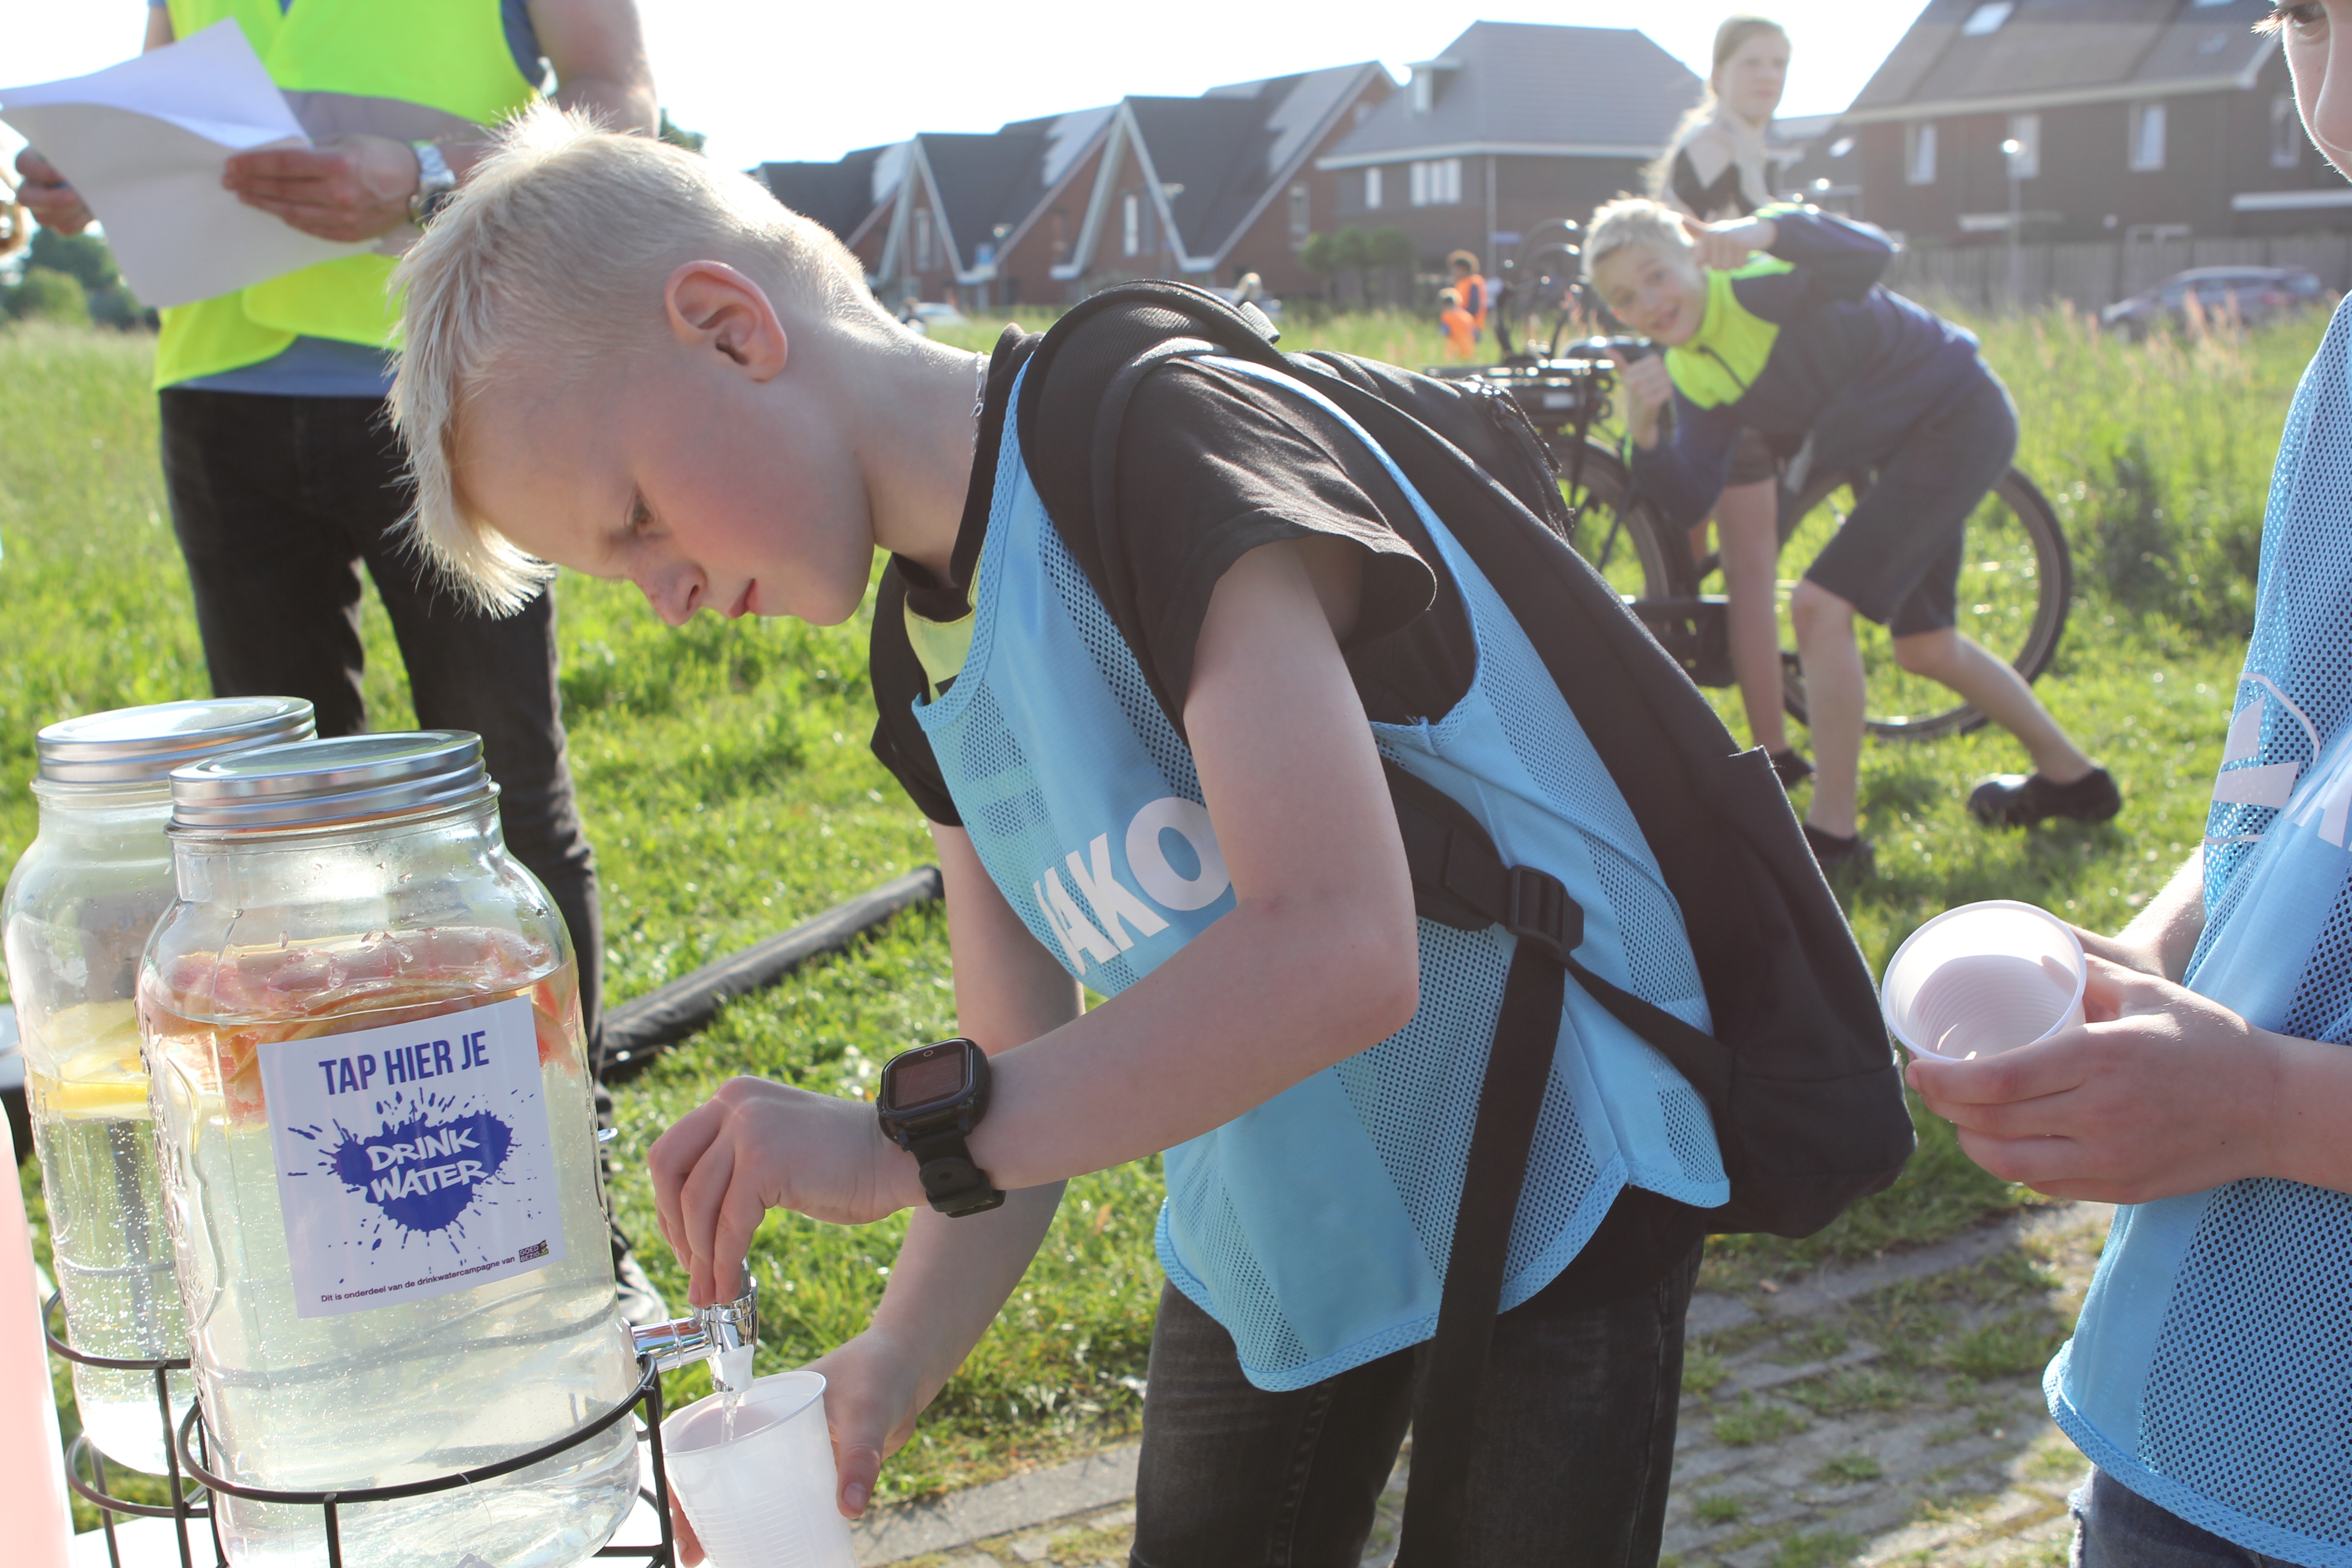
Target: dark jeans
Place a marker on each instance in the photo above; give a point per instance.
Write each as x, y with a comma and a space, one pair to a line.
278, 502
1576, 1443
2115, 1527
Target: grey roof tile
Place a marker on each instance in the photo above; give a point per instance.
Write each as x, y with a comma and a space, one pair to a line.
1523, 84
2062, 47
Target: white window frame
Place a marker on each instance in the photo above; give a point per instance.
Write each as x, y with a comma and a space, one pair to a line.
2025, 163
1436, 182
1424, 90
922, 239
1373, 189
1130, 224
1919, 152
2286, 132
2145, 130
1301, 214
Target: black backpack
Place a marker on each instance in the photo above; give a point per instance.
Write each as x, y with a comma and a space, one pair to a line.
1798, 1075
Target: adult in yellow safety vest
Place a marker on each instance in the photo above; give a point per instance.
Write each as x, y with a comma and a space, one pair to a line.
282, 476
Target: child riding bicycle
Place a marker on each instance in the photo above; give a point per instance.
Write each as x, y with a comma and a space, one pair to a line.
1801, 342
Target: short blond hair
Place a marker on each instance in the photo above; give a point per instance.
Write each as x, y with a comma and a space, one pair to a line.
549, 259
1631, 221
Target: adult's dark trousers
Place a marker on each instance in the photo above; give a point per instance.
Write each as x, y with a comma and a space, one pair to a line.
277, 502
1574, 1452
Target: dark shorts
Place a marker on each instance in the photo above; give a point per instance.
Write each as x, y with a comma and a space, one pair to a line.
1752, 461
1898, 558
1574, 1451
2115, 1527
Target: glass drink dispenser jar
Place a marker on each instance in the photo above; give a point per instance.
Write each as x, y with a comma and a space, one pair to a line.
380, 1160
76, 914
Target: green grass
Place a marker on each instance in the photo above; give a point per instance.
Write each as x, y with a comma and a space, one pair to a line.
727, 785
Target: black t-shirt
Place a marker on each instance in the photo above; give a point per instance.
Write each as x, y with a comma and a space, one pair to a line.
1212, 465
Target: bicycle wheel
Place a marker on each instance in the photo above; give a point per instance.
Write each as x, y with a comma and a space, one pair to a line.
2016, 580
1627, 544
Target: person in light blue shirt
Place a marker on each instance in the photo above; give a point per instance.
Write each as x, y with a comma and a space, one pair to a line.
2209, 1378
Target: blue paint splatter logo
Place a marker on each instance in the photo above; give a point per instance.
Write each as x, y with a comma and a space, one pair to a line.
423, 1172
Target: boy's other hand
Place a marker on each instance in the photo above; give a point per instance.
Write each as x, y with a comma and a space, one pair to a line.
2160, 1092
754, 1146
1647, 386
347, 188
1725, 246
872, 1396
48, 197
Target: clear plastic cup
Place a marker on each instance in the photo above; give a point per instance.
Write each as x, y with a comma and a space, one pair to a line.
762, 1497
1982, 979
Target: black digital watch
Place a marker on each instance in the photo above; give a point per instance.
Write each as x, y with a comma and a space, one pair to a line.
932, 1099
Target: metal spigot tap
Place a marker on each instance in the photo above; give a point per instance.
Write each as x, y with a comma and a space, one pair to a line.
724, 1333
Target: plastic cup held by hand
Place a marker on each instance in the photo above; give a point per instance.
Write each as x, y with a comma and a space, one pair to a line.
1984, 978
762, 1497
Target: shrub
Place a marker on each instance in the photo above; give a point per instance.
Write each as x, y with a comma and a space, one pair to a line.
49, 295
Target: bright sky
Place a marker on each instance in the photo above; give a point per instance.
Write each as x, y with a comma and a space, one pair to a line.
778, 82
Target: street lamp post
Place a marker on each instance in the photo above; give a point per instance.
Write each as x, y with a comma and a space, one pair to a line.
2010, 149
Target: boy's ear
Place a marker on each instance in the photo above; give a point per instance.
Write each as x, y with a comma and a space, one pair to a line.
711, 306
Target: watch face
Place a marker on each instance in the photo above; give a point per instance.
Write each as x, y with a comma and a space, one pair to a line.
918, 1078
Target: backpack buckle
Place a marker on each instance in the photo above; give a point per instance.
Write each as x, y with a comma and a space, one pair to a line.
1539, 911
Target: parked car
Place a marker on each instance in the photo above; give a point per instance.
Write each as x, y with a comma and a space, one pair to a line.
2252, 295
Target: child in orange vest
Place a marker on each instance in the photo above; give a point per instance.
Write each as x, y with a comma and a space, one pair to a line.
1461, 328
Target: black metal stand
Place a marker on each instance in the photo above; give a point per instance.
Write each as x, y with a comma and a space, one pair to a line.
184, 1508
187, 1451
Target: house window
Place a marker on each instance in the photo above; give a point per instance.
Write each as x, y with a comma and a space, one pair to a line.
1424, 90
1130, 217
922, 239
1300, 214
2025, 129
1920, 154
1987, 18
1436, 182
2148, 136
2286, 133
1372, 187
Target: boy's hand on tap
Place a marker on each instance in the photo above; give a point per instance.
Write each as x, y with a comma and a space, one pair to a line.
755, 1146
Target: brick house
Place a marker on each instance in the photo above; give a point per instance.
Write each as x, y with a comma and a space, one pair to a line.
2138, 120
1514, 125
1205, 189
1045, 211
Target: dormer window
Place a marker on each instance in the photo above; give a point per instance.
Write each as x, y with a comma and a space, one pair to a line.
1424, 90
1987, 18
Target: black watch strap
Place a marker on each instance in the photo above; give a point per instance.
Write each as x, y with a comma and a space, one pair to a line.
954, 1186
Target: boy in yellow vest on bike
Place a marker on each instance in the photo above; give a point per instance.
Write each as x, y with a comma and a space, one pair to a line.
1777, 323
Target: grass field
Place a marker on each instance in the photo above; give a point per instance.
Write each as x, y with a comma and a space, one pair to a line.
729, 791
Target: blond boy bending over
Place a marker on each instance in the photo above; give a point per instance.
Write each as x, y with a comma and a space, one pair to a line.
627, 362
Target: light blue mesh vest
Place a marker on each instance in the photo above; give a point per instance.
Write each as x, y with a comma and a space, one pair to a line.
1316, 1227
2211, 1371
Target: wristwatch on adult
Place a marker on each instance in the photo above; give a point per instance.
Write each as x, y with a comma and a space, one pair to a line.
435, 182
932, 1097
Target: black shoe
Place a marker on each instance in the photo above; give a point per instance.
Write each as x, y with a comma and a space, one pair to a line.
1789, 767
1836, 856
2021, 800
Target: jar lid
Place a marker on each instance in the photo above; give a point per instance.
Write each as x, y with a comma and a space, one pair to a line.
142, 746
314, 783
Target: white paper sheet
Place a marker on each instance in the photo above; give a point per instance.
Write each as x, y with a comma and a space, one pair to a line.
144, 142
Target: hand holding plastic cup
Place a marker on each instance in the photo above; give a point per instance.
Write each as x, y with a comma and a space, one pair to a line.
1983, 979
763, 1497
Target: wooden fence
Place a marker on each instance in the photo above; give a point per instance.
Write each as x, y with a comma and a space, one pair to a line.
2096, 275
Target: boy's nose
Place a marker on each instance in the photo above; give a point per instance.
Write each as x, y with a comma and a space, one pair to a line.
675, 595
